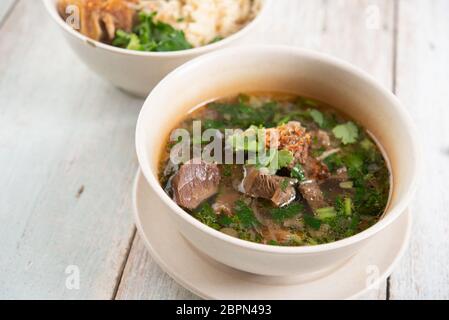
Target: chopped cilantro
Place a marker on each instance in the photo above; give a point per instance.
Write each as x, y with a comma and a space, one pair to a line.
275, 160
225, 220
245, 214
281, 214
298, 173
366, 144
151, 35
283, 120
339, 205
122, 39
312, 222
242, 115
285, 157
134, 42
353, 161
369, 201
348, 133
333, 162
317, 116
206, 215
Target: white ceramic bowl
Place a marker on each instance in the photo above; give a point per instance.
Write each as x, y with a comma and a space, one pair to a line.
291, 70
134, 71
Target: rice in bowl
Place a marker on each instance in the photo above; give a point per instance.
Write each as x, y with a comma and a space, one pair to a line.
204, 21
160, 25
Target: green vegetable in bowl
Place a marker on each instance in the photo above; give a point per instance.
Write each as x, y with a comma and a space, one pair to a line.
151, 35
348, 132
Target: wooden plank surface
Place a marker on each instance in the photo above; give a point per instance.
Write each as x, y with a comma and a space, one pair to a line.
423, 86
67, 158
5, 8
344, 28
143, 279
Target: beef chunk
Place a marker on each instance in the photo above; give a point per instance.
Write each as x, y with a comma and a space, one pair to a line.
279, 190
340, 175
315, 169
100, 19
195, 182
225, 201
312, 193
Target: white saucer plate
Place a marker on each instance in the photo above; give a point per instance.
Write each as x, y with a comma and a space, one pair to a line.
212, 280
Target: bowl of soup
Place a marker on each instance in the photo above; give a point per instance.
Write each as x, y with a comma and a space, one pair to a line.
135, 43
282, 162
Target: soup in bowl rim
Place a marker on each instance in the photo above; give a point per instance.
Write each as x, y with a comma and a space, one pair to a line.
307, 260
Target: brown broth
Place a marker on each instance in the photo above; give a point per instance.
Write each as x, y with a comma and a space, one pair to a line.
353, 182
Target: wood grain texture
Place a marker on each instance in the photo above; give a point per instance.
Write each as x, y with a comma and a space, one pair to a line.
361, 32
143, 279
5, 7
67, 150
423, 86
67, 160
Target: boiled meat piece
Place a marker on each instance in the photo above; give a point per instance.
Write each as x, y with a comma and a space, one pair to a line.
195, 182
100, 19
311, 192
279, 190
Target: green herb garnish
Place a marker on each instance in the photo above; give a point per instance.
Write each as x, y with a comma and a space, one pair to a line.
275, 160
225, 220
285, 157
243, 115
348, 133
151, 35
281, 214
298, 173
312, 222
206, 215
317, 116
245, 214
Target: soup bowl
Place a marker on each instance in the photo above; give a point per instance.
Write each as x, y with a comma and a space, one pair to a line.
289, 70
137, 72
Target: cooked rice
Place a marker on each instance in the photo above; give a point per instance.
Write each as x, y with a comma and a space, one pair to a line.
204, 21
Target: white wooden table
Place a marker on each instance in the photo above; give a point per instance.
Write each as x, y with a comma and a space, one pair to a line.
67, 148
